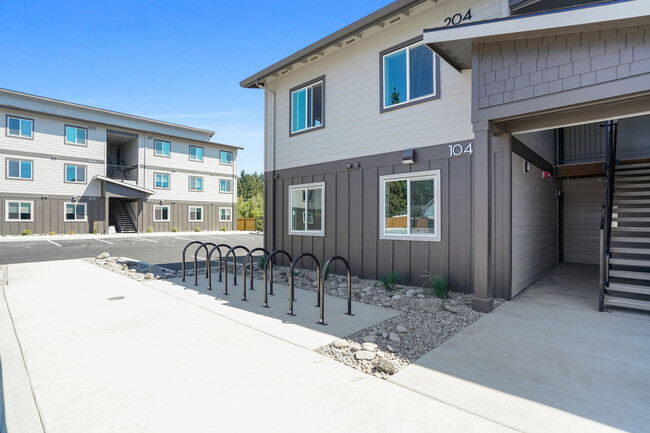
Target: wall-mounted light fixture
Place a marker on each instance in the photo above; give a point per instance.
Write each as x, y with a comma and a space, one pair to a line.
276, 176
173, 202
408, 156
173, 170
526, 166
44, 197
75, 198
162, 201
53, 157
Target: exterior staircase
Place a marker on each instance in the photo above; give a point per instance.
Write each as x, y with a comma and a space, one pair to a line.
122, 217
629, 259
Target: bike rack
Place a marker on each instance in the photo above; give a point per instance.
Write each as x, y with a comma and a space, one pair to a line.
249, 257
322, 288
218, 248
266, 265
291, 288
185, 249
207, 262
234, 264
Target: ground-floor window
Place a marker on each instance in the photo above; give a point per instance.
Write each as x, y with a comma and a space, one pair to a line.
196, 213
307, 209
160, 213
410, 206
225, 214
74, 211
19, 210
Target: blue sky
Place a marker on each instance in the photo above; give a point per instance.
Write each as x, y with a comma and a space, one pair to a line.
174, 61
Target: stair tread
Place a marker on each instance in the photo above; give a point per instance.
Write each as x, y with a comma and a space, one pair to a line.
628, 239
630, 262
631, 275
632, 229
629, 288
633, 166
631, 172
631, 178
632, 210
632, 219
624, 250
633, 185
628, 303
618, 193
631, 201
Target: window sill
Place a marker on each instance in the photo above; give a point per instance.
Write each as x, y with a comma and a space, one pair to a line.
320, 233
418, 238
304, 131
383, 109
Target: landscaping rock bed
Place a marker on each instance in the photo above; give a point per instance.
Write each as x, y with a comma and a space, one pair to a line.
134, 269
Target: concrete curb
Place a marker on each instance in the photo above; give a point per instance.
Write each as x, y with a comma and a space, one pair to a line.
39, 237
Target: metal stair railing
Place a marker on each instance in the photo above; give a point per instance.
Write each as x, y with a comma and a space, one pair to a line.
606, 213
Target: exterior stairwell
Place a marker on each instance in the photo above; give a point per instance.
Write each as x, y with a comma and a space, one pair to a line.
122, 218
628, 280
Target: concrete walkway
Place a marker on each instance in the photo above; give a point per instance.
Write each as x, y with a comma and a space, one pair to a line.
85, 350
547, 361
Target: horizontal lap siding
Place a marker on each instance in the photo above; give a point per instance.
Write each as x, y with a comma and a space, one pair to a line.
352, 218
583, 199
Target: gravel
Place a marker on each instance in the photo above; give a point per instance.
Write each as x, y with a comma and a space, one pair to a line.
133, 269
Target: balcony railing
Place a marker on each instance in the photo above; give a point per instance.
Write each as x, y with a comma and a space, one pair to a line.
122, 172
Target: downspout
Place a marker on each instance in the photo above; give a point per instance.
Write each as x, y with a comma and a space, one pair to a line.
259, 86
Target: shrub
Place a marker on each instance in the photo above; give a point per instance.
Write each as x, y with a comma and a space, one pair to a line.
51, 233
174, 230
327, 271
72, 232
438, 286
149, 229
26, 232
261, 261
389, 281
197, 229
223, 229
94, 228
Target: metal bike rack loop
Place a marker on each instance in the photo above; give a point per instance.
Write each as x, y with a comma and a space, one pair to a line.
185, 249
234, 265
249, 257
207, 262
322, 288
266, 265
218, 248
291, 288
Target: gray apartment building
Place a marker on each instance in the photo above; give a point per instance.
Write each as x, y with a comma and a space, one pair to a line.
488, 141
69, 167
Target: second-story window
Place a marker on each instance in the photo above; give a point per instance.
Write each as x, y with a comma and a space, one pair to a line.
196, 183
225, 185
162, 148
19, 127
75, 135
225, 157
196, 153
161, 181
408, 74
19, 169
307, 111
75, 173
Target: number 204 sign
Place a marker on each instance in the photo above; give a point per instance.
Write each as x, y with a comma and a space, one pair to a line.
458, 149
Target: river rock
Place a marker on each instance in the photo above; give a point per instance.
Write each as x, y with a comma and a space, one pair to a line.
394, 337
355, 347
429, 305
400, 329
103, 255
364, 354
370, 339
354, 280
340, 343
410, 293
370, 347
148, 276
451, 309
385, 366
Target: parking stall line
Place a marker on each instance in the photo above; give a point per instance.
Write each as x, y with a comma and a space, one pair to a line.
102, 240
52, 242
146, 240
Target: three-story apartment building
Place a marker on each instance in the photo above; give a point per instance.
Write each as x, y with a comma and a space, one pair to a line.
70, 167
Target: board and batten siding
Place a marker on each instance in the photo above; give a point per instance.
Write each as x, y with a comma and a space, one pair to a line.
535, 246
179, 217
583, 200
354, 126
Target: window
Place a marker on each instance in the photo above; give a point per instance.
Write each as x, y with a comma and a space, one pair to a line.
161, 181
410, 206
74, 211
19, 127
409, 74
196, 213
161, 148
18, 210
307, 108
225, 185
75, 135
75, 173
307, 209
196, 153
225, 157
225, 214
19, 169
160, 213
196, 183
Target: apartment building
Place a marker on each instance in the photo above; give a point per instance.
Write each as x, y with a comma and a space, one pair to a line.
473, 139
70, 167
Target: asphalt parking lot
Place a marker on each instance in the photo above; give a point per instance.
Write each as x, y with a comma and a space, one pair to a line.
161, 250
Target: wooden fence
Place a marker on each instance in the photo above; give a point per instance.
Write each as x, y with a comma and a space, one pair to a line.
246, 224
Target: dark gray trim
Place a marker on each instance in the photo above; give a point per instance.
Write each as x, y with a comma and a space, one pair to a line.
232, 158
63, 158
189, 183
314, 128
65, 169
346, 32
7, 116
522, 150
193, 172
162, 141
154, 181
189, 153
125, 134
436, 78
17, 178
65, 135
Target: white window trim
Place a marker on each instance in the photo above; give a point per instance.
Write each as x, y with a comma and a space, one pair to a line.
20, 169
228, 220
31, 213
85, 205
169, 216
232, 157
65, 136
408, 77
222, 191
155, 153
189, 214
320, 232
436, 237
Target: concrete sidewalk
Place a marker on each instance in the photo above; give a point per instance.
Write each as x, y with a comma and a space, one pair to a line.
104, 353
